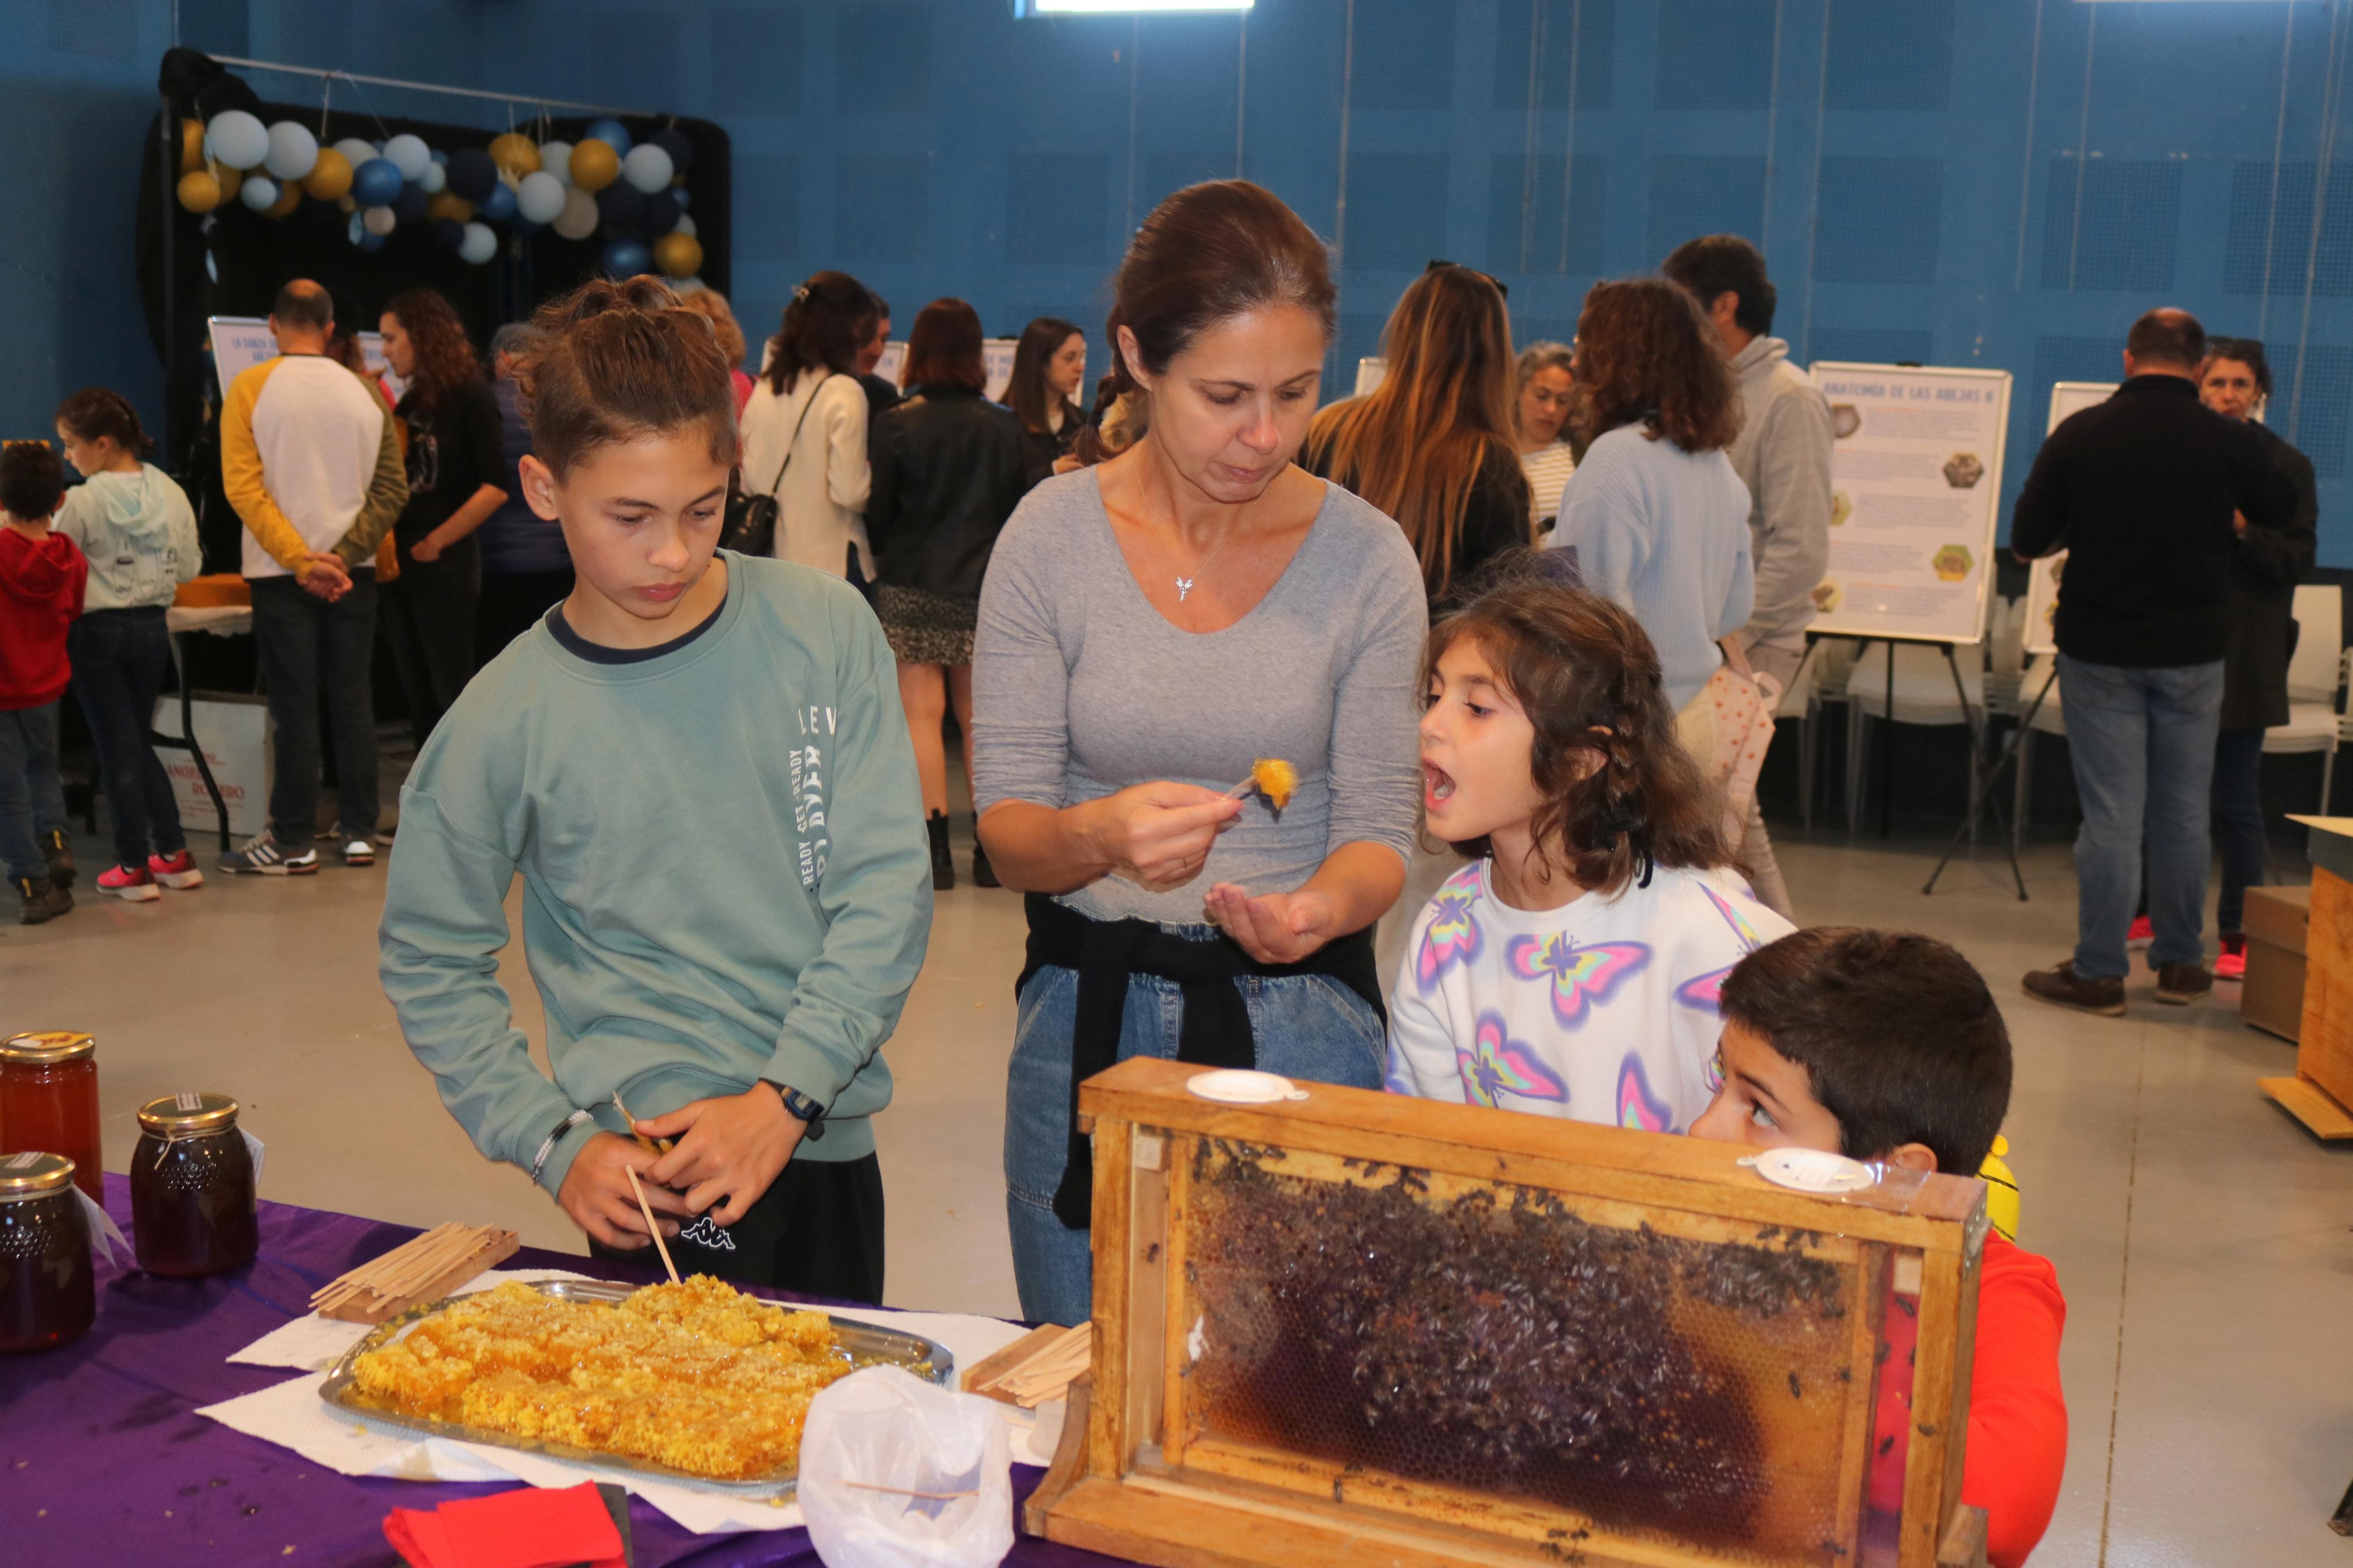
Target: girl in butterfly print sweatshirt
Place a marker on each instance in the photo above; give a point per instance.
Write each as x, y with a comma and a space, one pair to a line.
1572, 969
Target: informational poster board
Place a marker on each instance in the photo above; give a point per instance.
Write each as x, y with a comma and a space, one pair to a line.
235, 733
1916, 482
2067, 397
240, 343
893, 361
997, 358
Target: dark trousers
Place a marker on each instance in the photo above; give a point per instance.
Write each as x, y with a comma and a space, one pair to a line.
428, 624
309, 647
119, 657
511, 604
32, 796
2239, 821
817, 1231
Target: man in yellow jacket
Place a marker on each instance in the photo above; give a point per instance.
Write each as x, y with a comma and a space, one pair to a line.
310, 459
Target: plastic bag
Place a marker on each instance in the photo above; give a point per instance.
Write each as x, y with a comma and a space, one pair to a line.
934, 1474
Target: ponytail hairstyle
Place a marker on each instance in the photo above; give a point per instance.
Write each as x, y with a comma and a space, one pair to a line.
1620, 792
820, 331
612, 361
101, 414
445, 358
1207, 254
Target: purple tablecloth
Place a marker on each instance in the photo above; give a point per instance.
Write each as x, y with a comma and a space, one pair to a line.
103, 1459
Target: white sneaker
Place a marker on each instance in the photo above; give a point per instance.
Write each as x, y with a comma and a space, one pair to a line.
358, 850
264, 856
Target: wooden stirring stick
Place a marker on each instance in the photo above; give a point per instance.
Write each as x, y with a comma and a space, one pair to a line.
647, 1210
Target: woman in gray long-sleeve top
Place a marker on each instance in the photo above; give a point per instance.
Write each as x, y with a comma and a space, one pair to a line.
1148, 629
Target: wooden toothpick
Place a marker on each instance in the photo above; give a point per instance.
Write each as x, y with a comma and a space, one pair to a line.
652, 1223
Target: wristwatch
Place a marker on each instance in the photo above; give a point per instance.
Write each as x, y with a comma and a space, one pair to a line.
800, 1107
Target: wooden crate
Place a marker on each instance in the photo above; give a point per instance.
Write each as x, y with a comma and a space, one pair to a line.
1585, 1345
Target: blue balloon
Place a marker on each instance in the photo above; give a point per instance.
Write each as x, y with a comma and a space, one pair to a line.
440, 157
661, 212
611, 133
625, 258
678, 195
472, 174
410, 205
499, 205
450, 232
376, 184
621, 210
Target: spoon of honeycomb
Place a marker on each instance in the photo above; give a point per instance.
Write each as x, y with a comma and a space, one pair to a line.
1272, 778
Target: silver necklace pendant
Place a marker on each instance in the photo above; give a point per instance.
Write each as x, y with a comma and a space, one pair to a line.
1184, 586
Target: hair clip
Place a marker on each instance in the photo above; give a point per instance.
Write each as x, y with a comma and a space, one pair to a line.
800, 294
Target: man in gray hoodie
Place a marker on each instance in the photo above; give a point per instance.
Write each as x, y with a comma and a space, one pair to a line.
1783, 454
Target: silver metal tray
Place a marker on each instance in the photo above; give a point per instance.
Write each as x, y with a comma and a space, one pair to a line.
860, 1344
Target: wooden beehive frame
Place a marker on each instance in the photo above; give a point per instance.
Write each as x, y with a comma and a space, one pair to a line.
1131, 1481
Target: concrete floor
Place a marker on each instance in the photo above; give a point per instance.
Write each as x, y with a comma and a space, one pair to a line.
2200, 1234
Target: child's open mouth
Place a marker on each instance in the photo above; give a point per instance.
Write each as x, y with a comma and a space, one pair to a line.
1437, 785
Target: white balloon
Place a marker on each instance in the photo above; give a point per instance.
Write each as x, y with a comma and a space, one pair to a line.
648, 167
293, 151
237, 139
410, 156
685, 227
355, 151
433, 180
480, 243
556, 157
578, 218
379, 220
540, 198
259, 191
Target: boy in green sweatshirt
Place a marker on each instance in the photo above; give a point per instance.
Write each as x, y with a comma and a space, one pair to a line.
699, 763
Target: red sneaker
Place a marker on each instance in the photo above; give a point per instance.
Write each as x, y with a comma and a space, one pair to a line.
132, 882
178, 872
2140, 933
2231, 965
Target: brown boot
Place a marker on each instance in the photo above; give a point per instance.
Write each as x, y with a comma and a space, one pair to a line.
44, 900
2061, 985
2179, 985
58, 853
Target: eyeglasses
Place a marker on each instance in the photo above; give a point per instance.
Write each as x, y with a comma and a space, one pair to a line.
1501, 287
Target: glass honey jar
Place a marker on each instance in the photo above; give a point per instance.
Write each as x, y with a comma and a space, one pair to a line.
192, 1204
47, 1291
48, 1101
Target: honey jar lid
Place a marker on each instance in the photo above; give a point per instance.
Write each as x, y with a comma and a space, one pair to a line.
32, 1172
185, 1114
43, 1047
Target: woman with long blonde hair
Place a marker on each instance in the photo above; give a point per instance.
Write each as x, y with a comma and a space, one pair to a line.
1435, 445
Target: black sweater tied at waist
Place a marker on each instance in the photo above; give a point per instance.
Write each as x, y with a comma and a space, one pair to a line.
1215, 1031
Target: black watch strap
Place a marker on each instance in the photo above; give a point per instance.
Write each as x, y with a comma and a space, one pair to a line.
800, 1107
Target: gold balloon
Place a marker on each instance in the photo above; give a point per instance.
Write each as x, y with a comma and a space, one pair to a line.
199, 192
678, 255
448, 204
229, 179
515, 154
192, 145
594, 165
331, 177
290, 196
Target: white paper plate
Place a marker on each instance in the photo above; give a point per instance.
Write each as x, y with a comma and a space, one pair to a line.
1238, 1085
1811, 1170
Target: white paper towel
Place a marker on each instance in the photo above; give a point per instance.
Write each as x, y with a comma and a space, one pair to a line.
292, 1415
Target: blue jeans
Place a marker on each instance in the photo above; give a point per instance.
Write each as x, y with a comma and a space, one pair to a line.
307, 645
2239, 816
1307, 1026
118, 660
32, 796
2142, 744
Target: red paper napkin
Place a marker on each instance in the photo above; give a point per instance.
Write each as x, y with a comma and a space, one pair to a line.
528, 1527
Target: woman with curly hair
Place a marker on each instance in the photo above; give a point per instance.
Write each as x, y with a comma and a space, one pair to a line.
1657, 516
456, 463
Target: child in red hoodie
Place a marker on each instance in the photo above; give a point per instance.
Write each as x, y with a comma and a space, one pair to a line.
41, 578
1888, 1047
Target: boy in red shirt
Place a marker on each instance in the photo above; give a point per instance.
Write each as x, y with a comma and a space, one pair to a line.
1888, 1046
41, 579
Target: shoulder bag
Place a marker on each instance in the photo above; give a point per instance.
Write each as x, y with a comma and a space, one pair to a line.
750, 528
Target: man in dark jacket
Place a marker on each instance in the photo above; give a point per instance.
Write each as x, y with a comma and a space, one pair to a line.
2142, 492
2265, 566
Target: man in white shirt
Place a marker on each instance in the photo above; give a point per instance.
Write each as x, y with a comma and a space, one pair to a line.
310, 459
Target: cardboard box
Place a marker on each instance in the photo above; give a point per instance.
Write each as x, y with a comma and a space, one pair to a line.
2278, 920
